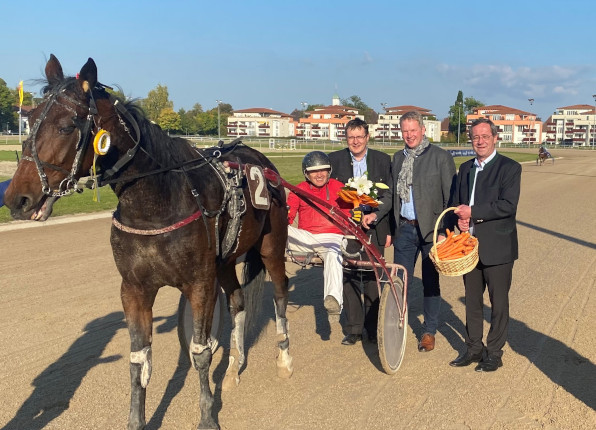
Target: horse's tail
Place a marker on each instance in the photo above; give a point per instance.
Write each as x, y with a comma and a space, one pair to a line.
253, 276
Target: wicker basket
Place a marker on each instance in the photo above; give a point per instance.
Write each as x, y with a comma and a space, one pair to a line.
457, 267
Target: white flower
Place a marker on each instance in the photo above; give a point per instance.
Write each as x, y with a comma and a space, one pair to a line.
361, 184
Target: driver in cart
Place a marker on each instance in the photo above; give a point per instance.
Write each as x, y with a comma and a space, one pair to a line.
315, 232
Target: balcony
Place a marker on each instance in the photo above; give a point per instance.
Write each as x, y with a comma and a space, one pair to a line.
264, 126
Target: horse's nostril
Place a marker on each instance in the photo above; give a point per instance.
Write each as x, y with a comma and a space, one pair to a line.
24, 204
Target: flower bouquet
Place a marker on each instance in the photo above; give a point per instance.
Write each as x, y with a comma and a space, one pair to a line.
360, 191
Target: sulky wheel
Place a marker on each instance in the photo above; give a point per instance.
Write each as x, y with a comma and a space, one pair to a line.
185, 321
391, 333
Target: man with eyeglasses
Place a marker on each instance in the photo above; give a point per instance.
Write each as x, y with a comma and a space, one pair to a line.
351, 162
486, 195
424, 177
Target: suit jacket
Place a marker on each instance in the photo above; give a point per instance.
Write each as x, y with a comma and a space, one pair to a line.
495, 207
378, 166
433, 182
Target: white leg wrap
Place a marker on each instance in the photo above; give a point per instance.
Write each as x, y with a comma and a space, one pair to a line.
238, 336
281, 324
143, 357
195, 348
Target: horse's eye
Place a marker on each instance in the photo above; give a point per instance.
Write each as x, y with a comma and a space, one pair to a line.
67, 130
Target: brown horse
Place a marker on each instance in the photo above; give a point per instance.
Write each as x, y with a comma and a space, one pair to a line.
183, 218
543, 155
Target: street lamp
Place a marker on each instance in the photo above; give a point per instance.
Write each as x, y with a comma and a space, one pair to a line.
304, 106
458, 120
531, 132
594, 131
218, 126
385, 109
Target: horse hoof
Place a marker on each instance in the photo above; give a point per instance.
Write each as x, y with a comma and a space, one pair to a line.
284, 372
230, 382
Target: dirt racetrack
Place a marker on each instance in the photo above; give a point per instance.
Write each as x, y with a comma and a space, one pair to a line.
64, 345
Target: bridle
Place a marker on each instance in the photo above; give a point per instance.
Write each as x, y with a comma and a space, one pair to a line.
70, 184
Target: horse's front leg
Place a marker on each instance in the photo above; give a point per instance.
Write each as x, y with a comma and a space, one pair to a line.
137, 304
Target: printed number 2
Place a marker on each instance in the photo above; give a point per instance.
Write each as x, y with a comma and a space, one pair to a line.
261, 193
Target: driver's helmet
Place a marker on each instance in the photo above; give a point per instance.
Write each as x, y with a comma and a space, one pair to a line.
315, 160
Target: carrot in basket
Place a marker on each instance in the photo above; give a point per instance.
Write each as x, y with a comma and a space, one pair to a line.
459, 247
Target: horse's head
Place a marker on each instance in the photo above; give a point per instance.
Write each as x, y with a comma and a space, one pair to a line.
60, 147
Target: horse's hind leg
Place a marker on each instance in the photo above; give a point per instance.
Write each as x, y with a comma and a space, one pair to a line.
235, 298
273, 250
137, 304
202, 298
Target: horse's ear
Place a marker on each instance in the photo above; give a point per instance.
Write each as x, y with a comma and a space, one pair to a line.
88, 75
54, 72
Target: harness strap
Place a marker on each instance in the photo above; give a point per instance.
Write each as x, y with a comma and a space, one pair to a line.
132, 151
154, 232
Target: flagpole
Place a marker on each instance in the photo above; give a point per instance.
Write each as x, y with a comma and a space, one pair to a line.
20, 109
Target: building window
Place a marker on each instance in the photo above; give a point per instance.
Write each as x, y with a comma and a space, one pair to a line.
509, 117
508, 128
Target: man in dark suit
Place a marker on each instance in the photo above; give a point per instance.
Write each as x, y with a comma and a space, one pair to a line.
486, 196
424, 176
351, 162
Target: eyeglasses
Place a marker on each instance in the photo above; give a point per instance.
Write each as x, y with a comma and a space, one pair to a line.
484, 137
359, 138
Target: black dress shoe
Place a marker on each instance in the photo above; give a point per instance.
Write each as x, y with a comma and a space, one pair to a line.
466, 359
351, 339
489, 364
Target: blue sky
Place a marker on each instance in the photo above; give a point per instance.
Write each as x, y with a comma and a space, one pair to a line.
277, 54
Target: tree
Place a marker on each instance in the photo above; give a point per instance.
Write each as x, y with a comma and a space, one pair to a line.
188, 119
207, 122
7, 102
169, 120
459, 110
370, 116
470, 103
157, 100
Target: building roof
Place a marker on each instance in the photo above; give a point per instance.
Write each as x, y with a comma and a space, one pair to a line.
400, 110
261, 110
501, 109
334, 109
586, 107
445, 124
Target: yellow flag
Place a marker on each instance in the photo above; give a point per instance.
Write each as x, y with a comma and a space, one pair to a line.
21, 93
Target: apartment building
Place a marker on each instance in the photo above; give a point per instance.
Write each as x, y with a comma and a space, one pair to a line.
327, 123
388, 128
571, 125
260, 122
515, 126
